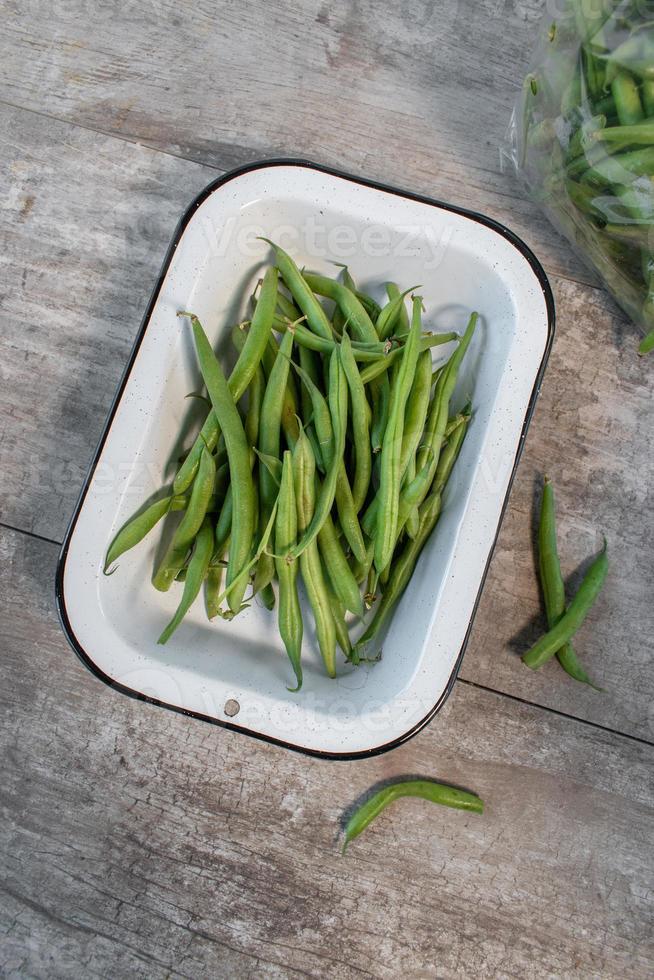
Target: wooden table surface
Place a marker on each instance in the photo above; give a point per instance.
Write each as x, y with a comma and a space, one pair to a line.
140, 843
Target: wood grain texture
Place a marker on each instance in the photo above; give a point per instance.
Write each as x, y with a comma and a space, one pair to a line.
83, 231
140, 843
417, 93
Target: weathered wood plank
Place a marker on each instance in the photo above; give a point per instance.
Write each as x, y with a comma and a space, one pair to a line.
83, 232
593, 433
417, 94
136, 842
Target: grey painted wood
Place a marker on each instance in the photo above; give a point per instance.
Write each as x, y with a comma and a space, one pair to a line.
135, 842
416, 93
140, 843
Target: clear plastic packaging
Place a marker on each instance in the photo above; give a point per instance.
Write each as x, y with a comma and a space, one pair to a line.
582, 138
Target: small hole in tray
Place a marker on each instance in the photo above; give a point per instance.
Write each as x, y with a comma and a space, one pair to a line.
232, 708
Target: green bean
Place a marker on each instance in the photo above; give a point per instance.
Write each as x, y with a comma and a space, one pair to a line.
289, 615
214, 580
417, 407
438, 413
622, 168
338, 320
195, 575
343, 582
572, 619
311, 367
136, 529
391, 314
382, 364
647, 95
360, 569
390, 474
252, 418
271, 417
370, 305
380, 392
551, 582
244, 369
360, 424
322, 420
269, 441
241, 580
267, 594
365, 352
238, 454
350, 305
338, 412
224, 522
288, 307
393, 291
641, 133
627, 99
340, 626
304, 475
636, 53
301, 292
424, 789
401, 572
190, 524
647, 343
450, 452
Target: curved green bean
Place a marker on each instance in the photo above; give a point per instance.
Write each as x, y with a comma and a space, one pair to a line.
136, 529
201, 494
195, 575
301, 292
424, 789
350, 305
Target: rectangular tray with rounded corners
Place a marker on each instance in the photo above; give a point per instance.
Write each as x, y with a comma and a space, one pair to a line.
462, 261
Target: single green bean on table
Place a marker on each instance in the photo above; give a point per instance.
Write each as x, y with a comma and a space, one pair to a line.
282, 482
424, 789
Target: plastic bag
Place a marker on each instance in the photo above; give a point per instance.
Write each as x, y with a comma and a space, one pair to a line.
582, 138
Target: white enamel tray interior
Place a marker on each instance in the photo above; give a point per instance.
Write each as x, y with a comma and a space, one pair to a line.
463, 265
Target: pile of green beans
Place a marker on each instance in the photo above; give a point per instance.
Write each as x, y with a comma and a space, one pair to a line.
586, 134
322, 460
562, 623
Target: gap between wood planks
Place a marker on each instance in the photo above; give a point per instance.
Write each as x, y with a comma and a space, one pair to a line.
460, 680
137, 141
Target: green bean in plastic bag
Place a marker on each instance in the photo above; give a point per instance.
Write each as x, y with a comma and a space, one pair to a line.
582, 138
